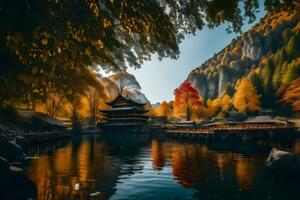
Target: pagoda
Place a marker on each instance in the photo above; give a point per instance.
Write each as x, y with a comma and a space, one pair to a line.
124, 112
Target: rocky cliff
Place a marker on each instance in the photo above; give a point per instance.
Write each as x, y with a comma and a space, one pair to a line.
123, 83
221, 72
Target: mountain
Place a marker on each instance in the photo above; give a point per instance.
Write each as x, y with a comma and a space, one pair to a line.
123, 83
275, 39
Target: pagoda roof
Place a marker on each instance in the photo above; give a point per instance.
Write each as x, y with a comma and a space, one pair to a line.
122, 98
124, 109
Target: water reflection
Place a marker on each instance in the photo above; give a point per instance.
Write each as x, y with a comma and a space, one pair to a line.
141, 167
158, 157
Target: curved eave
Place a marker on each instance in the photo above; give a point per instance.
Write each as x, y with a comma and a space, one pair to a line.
123, 111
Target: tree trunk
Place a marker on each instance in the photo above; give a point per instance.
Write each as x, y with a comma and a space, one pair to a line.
188, 114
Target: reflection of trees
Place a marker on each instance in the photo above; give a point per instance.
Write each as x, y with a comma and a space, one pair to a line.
98, 163
245, 172
63, 160
89, 163
212, 174
296, 147
158, 157
83, 161
191, 164
40, 175
56, 176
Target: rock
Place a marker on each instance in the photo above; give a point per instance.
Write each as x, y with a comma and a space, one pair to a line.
12, 152
4, 165
212, 87
283, 162
3, 140
14, 184
199, 82
224, 76
23, 143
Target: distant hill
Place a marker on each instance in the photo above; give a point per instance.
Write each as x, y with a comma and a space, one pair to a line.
124, 83
268, 54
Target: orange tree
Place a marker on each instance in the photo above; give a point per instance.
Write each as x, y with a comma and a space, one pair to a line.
187, 100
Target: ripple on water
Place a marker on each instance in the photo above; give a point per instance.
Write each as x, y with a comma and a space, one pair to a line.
150, 184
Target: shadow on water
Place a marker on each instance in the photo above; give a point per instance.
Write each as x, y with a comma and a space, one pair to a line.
139, 166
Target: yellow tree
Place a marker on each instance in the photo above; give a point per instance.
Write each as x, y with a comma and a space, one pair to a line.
245, 98
226, 103
165, 109
213, 107
152, 110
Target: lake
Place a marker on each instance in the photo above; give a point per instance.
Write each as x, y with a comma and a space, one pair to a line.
139, 166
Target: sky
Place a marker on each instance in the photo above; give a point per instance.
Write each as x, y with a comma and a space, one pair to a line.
158, 79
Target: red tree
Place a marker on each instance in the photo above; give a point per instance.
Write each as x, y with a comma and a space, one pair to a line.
186, 99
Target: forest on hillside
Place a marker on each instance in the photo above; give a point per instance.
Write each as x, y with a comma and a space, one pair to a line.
258, 70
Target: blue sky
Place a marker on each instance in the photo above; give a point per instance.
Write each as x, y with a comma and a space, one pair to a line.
159, 79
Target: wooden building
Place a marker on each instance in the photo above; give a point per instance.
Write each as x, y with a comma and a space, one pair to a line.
124, 112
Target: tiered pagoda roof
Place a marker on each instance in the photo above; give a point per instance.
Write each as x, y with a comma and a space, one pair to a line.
124, 111
121, 101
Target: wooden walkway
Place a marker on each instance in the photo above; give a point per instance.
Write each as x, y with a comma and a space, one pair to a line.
245, 131
190, 131
228, 128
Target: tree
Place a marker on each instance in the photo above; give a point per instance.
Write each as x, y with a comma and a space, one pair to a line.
55, 41
94, 98
54, 104
292, 72
293, 46
76, 104
186, 100
292, 95
286, 34
226, 103
214, 107
245, 98
165, 109
268, 90
279, 59
257, 82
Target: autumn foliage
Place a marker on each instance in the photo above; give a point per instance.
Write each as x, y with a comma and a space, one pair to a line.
165, 109
292, 95
187, 100
245, 98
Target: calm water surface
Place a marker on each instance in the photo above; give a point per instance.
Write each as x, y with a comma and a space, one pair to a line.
144, 167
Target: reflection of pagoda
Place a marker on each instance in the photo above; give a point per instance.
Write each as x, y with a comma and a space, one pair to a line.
124, 112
